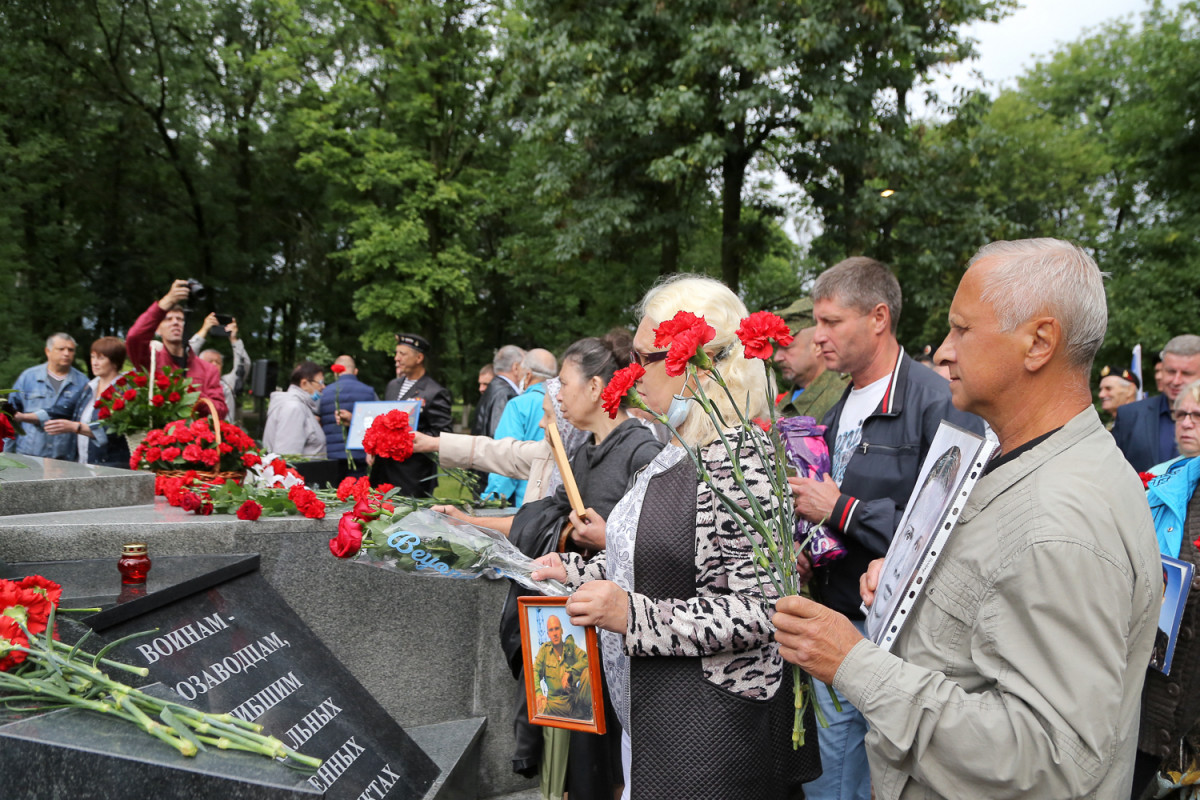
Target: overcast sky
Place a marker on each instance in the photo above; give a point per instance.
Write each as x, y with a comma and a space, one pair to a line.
1009, 47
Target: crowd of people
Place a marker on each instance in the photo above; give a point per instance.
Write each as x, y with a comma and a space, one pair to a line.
1023, 669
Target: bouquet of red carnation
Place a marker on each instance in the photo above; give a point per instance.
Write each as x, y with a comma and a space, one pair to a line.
135, 403
390, 436
184, 445
40, 673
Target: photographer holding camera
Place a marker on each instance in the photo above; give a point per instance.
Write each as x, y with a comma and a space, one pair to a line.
165, 318
232, 381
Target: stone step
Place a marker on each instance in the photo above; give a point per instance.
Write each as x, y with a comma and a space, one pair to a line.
46, 486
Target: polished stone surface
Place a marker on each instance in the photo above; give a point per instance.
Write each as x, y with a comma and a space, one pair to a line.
238, 648
48, 485
426, 648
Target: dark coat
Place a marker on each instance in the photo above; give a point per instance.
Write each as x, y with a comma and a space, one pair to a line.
342, 393
1136, 430
603, 472
415, 477
1171, 703
882, 472
491, 406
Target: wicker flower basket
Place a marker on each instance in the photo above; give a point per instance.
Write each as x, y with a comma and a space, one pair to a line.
207, 476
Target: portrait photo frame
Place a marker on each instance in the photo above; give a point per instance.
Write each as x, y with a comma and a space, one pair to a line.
365, 412
577, 702
954, 464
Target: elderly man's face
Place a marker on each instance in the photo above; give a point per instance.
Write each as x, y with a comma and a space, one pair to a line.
60, 354
800, 360
407, 359
979, 355
1115, 392
1178, 371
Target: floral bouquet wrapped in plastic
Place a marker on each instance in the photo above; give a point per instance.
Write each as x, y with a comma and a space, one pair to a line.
425, 542
807, 452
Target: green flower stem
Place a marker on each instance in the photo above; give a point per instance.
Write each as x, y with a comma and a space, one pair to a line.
141, 671
70, 682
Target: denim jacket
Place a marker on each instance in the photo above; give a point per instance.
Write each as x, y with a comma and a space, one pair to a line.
35, 394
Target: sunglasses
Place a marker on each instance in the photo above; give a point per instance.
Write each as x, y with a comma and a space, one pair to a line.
646, 359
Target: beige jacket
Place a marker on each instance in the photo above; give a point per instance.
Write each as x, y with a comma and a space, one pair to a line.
532, 461
1019, 673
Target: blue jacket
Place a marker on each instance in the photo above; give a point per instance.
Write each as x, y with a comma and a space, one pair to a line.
35, 394
1169, 495
882, 472
342, 393
519, 421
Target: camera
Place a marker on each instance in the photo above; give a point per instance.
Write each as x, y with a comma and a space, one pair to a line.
195, 289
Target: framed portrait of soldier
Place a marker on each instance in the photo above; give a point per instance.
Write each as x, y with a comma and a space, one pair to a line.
562, 667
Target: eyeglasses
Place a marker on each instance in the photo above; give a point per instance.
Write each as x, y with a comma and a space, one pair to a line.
645, 359
1180, 416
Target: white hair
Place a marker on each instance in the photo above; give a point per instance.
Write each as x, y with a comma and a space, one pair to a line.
507, 357
1048, 276
64, 336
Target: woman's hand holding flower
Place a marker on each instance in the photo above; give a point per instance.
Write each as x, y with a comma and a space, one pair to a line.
599, 603
551, 568
424, 443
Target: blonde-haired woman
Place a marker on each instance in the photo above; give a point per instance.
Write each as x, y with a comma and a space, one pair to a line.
695, 675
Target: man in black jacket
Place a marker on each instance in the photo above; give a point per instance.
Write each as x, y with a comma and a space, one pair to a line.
878, 435
416, 476
505, 385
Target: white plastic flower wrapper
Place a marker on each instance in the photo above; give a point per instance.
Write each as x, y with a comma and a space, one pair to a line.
426, 542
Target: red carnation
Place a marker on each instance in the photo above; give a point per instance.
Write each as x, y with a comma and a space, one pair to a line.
251, 460
757, 331
42, 586
209, 457
189, 501
193, 453
685, 334
345, 489
206, 508
182, 433
170, 453
6, 428
349, 537
337, 369
383, 488
622, 381
249, 510
765, 424
389, 436
153, 453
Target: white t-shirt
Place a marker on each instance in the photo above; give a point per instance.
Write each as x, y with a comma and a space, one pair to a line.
858, 407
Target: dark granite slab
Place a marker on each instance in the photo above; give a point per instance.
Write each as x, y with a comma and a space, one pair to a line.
222, 640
